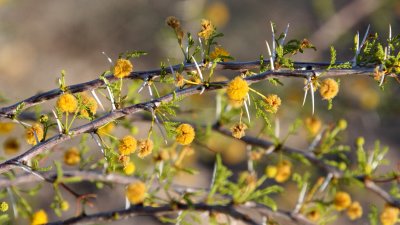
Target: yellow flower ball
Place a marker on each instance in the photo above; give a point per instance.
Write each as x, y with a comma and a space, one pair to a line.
3, 206
389, 215
238, 130
122, 68
219, 52
30, 133
6, 127
207, 29
273, 102
127, 145
11, 146
135, 192
89, 105
313, 125
342, 124
67, 103
354, 211
342, 201
129, 168
184, 134
284, 170
145, 148
106, 129
64, 206
271, 171
237, 89
329, 89
39, 217
218, 13
72, 157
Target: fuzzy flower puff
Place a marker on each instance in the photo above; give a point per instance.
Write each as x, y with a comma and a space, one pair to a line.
354, 211
129, 168
67, 103
219, 52
72, 157
238, 130
127, 145
122, 68
89, 105
207, 29
341, 201
31, 131
329, 89
39, 217
237, 89
389, 215
284, 170
184, 134
136, 192
145, 148
273, 102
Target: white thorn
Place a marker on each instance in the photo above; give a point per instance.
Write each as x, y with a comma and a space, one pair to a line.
285, 35
97, 99
301, 198
273, 41
264, 220
99, 144
201, 49
172, 69
108, 58
58, 121
250, 164
218, 106
326, 182
248, 98
277, 127
29, 170
390, 38
150, 92
357, 50
13, 203
127, 203
213, 174
305, 92
198, 69
111, 97
247, 111
312, 96
271, 60
153, 113
142, 86
202, 90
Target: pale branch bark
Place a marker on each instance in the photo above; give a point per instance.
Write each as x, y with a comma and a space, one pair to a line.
9, 111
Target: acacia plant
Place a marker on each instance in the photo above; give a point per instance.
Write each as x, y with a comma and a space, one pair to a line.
132, 134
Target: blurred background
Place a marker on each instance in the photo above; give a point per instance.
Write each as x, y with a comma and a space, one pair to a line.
38, 39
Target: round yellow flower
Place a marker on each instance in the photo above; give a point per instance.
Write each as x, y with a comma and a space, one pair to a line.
237, 89
329, 89
129, 168
135, 192
11, 146
284, 170
238, 131
72, 157
342, 201
64, 206
39, 217
313, 125
3, 206
30, 133
389, 215
273, 103
184, 134
342, 124
89, 105
271, 171
67, 103
219, 52
145, 148
218, 13
207, 29
6, 127
127, 145
313, 215
122, 68
354, 211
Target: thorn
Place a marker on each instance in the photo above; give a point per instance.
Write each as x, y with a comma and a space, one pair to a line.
29, 170
218, 106
273, 41
142, 86
201, 50
171, 68
108, 58
150, 92
271, 60
59, 125
198, 69
305, 92
277, 127
111, 97
301, 198
284, 35
326, 182
312, 95
250, 164
97, 99
248, 98
99, 144
390, 39
13, 202
158, 124
247, 111
213, 174
202, 90
127, 203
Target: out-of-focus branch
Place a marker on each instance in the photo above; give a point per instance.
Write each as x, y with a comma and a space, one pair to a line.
9, 111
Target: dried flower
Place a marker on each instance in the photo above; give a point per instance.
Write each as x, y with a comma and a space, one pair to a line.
39, 217
184, 134
72, 157
179, 80
389, 215
329, 89
238, 130
67, 103
273, 103
129, 168
284, 170
313, 125
6, 127
342, 201
89, 105
145, 148
207, 29
173, 22
354, 211
30, 133
122, 68
313, 215
135, 192
218, 53
237, 89
11, 146
127, 145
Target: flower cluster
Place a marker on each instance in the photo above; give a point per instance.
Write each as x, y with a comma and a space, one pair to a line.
219, 52
281, 172
272, 103
238, 130
33, 132
342, 201
328, 89
207, 29
136, 192
127, 145
184, 134
237, 90
89, 105
72, 157
145, 148
39, 218
67, 103
122, 68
